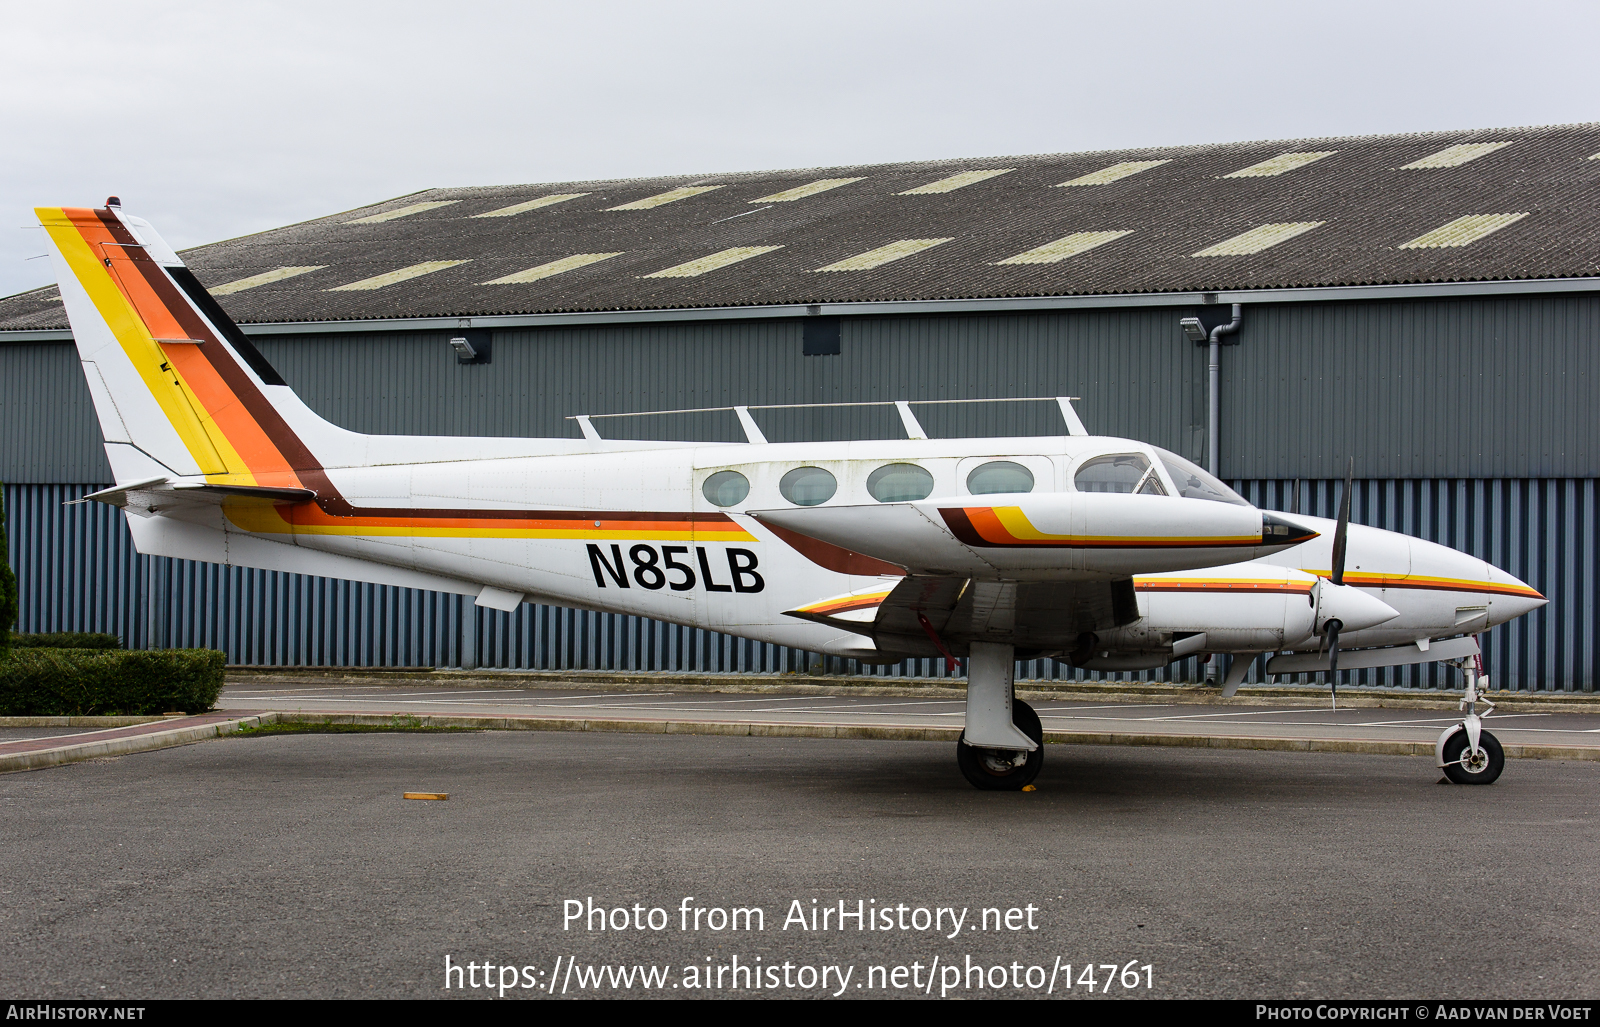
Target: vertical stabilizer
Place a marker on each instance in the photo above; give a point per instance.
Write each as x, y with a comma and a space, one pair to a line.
175, 383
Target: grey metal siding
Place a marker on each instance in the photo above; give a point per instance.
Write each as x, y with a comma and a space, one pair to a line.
411, 384
48, 430
1480, 388
77, 571
1451, 388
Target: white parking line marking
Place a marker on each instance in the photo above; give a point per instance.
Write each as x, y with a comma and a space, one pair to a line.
1251, 713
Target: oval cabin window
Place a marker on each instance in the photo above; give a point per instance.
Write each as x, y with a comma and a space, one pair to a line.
726, 488
808, 486
899, 483
999, 476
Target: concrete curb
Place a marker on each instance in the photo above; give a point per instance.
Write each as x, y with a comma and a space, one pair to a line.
88, 722
72, 753
1376, 746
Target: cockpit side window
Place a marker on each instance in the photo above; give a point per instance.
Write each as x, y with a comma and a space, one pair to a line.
1127, 473
1194, 482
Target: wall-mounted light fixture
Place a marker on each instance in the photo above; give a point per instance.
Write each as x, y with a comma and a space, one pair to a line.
471, 344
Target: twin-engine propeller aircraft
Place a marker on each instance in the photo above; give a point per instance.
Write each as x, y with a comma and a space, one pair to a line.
1105, 552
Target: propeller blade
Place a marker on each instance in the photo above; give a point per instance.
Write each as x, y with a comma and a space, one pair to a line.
1342, 532
1333, 627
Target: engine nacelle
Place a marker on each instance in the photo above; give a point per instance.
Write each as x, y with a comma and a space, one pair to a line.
1061, 534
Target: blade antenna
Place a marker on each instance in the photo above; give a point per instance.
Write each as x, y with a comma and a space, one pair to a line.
1336, 575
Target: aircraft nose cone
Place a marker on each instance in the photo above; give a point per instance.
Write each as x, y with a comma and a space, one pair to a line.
1280, 532
1355, 609
1511, 597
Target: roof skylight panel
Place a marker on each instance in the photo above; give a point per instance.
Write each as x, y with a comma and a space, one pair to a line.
555, 267
954, 182
1455, 156
1281, 164
1463, 231
523, 208
884, 254
401, 212
1064, 247
800, 192
670, 196
427, 267
265, 278
1259, 238
720, 259
1115, 173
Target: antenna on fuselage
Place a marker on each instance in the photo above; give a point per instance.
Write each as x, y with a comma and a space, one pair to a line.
912, 425
1074, 424
752, 431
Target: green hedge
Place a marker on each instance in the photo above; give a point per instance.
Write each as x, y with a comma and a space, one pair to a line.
67, 640
8, 584
87, 683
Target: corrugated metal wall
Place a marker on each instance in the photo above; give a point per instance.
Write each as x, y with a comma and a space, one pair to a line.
1461, 388
410, 384
1472, 420
77, 571
1497, 387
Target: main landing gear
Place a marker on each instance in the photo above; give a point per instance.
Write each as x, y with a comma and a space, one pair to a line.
1002, 747
1466, 753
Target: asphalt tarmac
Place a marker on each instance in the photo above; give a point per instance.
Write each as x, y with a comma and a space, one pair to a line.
1188, 719
291, 866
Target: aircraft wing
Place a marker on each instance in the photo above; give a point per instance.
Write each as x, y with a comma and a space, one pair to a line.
1030, 615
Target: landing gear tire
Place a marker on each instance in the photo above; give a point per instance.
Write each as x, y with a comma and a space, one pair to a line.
999, 770
1481, 768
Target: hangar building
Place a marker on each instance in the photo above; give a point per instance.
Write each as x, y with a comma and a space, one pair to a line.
1428, 305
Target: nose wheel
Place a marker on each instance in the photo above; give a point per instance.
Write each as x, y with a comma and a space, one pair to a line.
1004, 770
1473, 766
1467, 753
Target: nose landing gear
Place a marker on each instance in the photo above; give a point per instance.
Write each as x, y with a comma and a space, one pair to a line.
1466, 753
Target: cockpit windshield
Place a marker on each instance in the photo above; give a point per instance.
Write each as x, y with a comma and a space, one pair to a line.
1129, 473
1194, 482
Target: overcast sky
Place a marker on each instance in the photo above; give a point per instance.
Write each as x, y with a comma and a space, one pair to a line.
219, 119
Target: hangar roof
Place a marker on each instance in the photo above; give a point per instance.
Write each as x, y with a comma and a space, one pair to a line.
1440, 207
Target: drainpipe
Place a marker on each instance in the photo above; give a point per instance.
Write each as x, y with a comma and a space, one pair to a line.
1213, 419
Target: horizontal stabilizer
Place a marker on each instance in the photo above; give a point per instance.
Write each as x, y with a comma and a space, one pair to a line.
269, 494
1388, 656
117, 495
200, 492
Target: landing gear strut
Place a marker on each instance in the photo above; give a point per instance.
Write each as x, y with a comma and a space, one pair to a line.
1466, 753
1002, 747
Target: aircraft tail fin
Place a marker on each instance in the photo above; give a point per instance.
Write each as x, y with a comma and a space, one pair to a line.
174, 380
